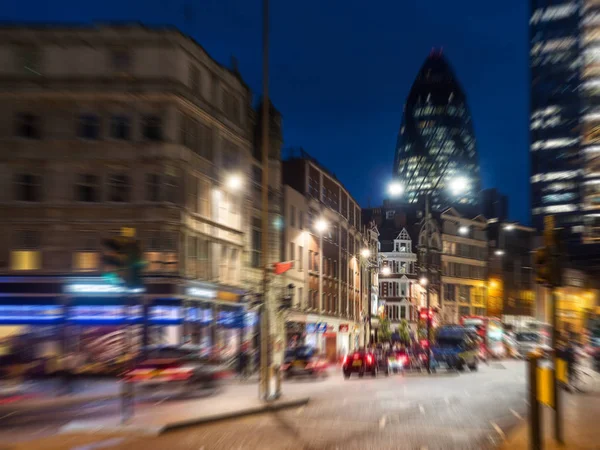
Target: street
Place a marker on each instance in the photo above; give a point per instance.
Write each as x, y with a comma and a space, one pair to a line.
471, 410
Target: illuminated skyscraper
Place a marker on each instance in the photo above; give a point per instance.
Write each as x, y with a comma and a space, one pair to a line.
436, 137
557, 141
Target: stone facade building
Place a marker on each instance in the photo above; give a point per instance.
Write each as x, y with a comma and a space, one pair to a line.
126, 126
332, 322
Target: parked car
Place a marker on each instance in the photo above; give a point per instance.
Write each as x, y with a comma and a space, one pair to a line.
174, 367
304, 360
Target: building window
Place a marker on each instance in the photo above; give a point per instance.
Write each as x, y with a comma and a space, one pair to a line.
231, 106
194, 79
85, 261
152, 187
28, 126
300, 300
28, 187
121, 60
450, 293
292, 255
464, 311
292, 216
86, 189
464, 294
310, 260
118, 188
300, 220
152, 128
27, 255
120, 127
28, 60
203, 259
25, 260
300, 258
89, 126
480, 311
256, 242
170, 189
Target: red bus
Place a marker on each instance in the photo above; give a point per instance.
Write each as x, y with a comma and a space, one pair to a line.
491, 332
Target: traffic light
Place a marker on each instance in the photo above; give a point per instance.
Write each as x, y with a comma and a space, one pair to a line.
424, 315
123, 261
542, 266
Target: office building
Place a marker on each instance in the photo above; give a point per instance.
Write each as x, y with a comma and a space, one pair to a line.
436, 141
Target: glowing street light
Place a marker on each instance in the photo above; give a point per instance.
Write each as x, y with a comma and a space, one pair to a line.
365, 252
386, 271
234, 182
509, 227
423, 281
463, 230
321, 225
395, 188
499, 252
459, 185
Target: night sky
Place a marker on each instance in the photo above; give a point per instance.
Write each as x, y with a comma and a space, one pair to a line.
341, 70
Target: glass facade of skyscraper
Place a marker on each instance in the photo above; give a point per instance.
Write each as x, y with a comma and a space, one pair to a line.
556, 105
436, 139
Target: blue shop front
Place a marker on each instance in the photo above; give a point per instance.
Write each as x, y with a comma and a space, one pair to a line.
42, 318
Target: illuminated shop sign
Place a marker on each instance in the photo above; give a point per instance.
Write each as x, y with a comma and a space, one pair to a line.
251, 319
231, 319
29, 314
201, 292
101, 289
105, 313
165, 314
320, 327
201, 315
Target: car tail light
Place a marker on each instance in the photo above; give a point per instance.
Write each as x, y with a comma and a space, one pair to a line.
356, 356
345, 360
369, 359
177, 373
403, 360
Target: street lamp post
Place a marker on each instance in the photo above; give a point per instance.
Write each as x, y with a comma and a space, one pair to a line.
366, 253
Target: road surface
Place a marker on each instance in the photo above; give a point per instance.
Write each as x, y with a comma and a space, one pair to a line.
473, 410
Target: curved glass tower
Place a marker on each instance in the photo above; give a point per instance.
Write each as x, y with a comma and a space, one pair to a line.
436, 139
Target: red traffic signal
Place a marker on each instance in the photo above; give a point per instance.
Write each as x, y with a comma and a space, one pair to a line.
424, 315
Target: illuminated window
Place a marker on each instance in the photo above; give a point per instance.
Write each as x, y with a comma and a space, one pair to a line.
85, 261
25, 260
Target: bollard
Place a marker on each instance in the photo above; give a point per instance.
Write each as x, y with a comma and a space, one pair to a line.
535, 441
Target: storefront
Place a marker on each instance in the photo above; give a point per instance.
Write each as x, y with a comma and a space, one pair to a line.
332, 336
42, 318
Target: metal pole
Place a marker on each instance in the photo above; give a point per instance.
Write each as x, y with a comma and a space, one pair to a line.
427, 281
368, 336
558, 434
320, 282
535, 428
265, 359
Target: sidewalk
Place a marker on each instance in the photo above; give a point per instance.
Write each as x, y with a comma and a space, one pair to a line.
580, 425
44, 395
156, 418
